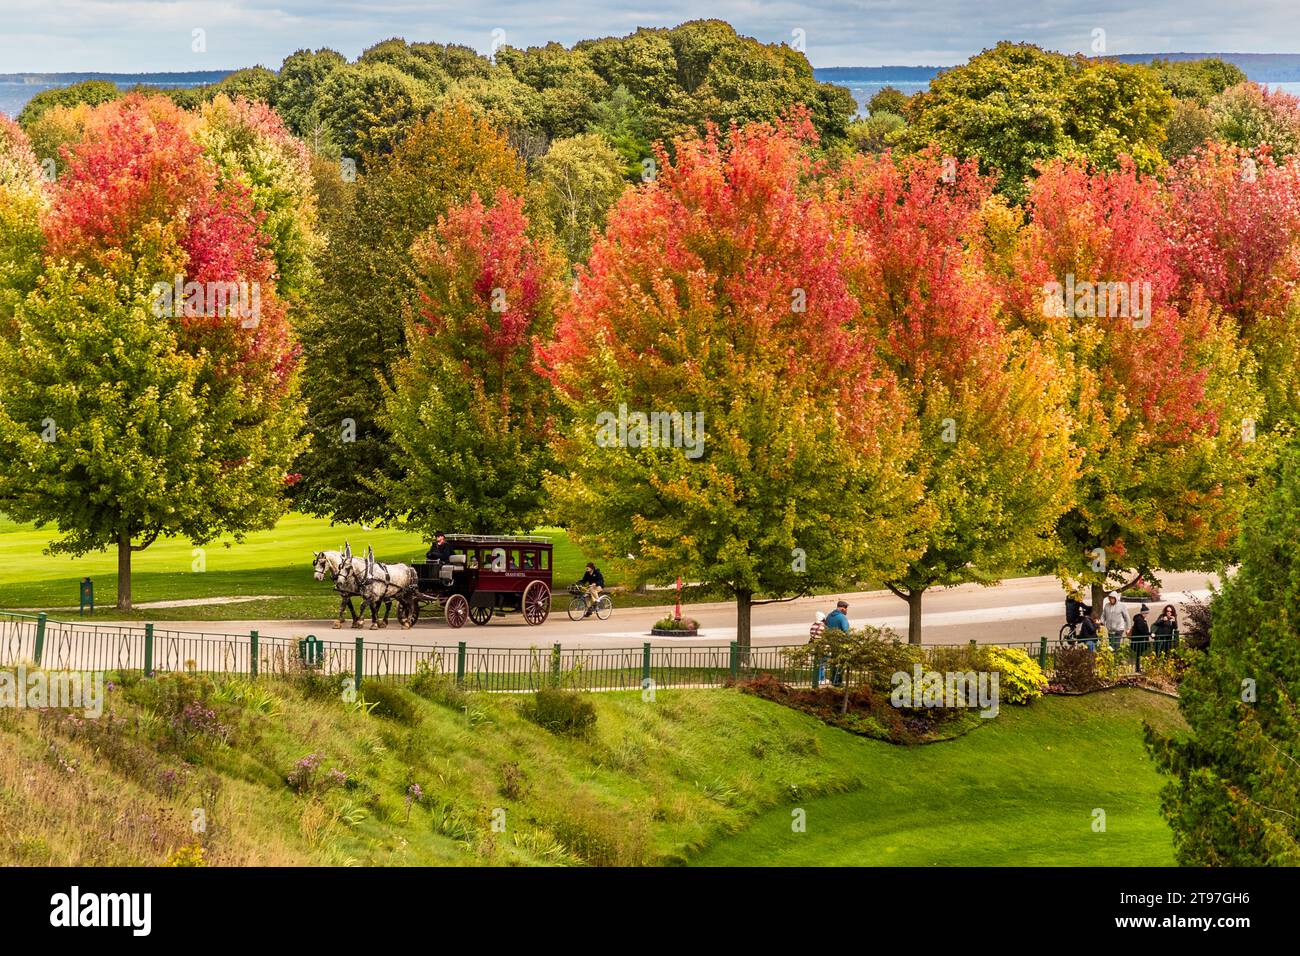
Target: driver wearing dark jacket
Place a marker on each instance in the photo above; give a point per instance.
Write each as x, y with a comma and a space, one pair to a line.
441, 550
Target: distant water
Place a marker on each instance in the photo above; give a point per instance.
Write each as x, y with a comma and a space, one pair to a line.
863, 91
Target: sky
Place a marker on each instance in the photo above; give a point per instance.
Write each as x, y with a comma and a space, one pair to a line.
45, 36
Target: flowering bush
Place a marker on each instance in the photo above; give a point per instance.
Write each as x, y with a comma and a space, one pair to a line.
676, 624
1020, 679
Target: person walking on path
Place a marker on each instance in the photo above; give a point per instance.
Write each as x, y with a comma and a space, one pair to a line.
1114, 617
1140, 636
814, 632
1164, 628
838, 619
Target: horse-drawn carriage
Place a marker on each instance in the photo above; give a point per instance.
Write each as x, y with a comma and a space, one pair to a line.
485, 575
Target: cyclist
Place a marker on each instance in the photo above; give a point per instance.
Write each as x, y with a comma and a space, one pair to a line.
594, 582
1075, 610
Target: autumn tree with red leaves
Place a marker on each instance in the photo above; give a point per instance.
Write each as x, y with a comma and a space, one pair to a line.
469, 415
150, 388
1234, 238
987, 406
1159, 387
728, 426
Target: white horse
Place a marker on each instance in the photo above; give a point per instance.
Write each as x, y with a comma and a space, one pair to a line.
332, 563
388, 583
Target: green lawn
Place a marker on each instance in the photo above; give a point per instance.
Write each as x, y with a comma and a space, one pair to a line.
274, 563
1019, 791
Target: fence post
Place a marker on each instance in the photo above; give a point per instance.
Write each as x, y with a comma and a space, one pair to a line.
555, 665
645, 664
252, 654
1042, 653
460, 664
148, 649
735, 660
356, 670
40, 637
1175, 642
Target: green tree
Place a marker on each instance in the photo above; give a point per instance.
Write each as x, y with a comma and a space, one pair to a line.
887, 99
298, 91
579, 179
254, 83
1189, 128
1235, 795
368, 108
877, 132
91, 93
1016, 106
117, 435
1197, 81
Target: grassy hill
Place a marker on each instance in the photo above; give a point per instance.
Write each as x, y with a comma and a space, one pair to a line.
285, 771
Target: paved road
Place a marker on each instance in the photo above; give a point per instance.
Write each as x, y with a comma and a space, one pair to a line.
1019, 609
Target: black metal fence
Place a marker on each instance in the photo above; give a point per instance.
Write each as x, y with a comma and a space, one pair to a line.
60, 645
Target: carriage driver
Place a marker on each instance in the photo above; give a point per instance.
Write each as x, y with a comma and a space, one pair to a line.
594, 582
441, 550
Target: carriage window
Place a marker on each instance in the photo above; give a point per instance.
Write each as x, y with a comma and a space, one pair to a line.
546, 561
512, 560
530, 560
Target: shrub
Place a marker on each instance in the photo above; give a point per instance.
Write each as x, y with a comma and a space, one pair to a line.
438, 688
1107, 666
1076, 668
562, 712
1020, 679
1195, 630
390, 702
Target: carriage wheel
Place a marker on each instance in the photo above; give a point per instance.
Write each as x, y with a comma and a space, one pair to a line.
457, 610
480, 615
537, 602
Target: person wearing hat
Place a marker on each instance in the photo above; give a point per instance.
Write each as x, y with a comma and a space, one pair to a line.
440, 551
1141, 633
838, 619
1114, 617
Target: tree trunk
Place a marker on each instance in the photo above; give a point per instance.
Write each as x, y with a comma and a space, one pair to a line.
124, 571
1098, 597
744, 610
914, 615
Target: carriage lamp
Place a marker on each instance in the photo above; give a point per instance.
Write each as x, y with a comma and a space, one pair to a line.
87, 595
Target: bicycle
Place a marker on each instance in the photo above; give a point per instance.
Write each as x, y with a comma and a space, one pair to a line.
578, 604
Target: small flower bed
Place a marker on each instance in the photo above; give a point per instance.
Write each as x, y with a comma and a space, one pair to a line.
678, 625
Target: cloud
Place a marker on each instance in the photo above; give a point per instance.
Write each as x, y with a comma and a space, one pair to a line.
144, 35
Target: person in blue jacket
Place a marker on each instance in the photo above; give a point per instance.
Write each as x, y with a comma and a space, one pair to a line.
839, 619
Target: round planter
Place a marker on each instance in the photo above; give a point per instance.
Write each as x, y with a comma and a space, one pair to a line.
663, 632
